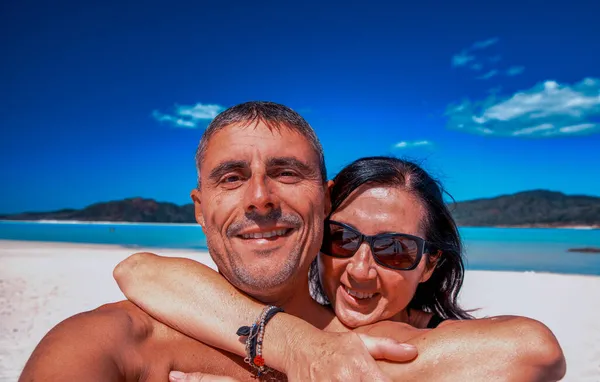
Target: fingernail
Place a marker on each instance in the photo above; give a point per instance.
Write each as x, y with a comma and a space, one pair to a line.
408, 346
176, 376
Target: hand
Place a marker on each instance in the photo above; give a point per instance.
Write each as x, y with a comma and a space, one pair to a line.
343, 357
178, 376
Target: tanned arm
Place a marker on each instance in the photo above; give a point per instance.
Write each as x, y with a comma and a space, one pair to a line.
212, 313
199, 302
493, 349
86, 347
195, 300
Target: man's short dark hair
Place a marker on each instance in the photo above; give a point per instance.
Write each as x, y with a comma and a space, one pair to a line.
272, 114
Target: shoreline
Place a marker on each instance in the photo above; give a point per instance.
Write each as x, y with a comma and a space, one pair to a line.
166, 251
546, 226
48, 246
535, 226
166, 224
98, 222
12, 244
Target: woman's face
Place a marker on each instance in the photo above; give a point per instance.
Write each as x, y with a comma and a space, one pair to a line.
360, 290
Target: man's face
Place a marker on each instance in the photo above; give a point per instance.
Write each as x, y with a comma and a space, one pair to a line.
261, 204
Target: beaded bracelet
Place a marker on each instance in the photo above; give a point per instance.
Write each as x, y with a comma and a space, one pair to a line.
254, 339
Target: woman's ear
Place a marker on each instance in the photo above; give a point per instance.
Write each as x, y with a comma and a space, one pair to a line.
328, 187
432, 263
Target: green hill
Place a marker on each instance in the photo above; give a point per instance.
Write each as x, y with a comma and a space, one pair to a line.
530, 208
523, 209
127, 210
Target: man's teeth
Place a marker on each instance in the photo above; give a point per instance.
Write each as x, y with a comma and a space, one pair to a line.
359, 295
261, 235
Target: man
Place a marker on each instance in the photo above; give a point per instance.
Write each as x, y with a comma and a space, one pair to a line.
261, 170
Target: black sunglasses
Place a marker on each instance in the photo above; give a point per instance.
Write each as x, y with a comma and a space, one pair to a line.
398, 251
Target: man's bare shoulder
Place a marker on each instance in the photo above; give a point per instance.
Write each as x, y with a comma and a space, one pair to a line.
115, 323
99, 344
120, 342
130, 321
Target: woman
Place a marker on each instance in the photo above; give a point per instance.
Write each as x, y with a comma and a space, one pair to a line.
391, 251
412, 269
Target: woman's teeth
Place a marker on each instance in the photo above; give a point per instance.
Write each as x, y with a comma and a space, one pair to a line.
359, 295
261, 235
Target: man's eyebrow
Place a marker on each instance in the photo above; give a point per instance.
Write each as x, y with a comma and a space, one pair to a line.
225, 167
290, 162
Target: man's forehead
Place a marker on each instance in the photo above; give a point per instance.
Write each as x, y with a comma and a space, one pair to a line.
244, 142
272, 130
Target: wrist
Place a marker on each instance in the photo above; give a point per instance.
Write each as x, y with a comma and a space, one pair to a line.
286, 342
302, 341
254, 335
276, 340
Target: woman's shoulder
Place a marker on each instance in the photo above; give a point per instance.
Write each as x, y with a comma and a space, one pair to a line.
426, 320
399, 331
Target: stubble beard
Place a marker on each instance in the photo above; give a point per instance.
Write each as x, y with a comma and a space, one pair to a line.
254, 277
251, 279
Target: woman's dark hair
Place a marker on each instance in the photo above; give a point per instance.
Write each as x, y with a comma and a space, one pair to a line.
438, 294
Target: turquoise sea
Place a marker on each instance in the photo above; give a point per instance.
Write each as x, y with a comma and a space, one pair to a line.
511, 249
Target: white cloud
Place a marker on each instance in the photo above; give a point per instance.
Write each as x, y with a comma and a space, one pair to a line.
189, 116
409, 144
488, 75
473, 58
477, 66
547, 109
534, 129
462, 59
485, 43
577, 128
514, 70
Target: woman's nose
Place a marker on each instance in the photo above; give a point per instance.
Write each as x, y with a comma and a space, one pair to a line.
362, 265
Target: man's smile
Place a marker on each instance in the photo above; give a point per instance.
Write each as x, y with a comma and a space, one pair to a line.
264, 238
265, 234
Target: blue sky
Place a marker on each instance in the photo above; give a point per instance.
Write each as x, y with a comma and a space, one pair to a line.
107, 100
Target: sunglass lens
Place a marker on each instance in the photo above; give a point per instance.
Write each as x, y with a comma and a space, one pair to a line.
340, 241
396, 251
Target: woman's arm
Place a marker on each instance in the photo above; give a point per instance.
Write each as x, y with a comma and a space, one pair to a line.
504, 348
197, 301
188, 296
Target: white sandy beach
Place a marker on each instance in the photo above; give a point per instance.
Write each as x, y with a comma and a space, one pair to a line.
44, 283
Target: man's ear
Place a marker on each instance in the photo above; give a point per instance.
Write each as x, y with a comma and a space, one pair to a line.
433, 261
328, 186
195, 195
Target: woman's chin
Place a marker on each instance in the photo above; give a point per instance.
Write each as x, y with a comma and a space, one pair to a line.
354, 312
354, 319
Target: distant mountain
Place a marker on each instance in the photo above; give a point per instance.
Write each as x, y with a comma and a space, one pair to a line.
539, 208
524, 209
127, 210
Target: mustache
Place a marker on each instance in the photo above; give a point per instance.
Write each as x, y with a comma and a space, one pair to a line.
273, 217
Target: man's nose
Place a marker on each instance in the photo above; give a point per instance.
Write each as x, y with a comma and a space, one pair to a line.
260, 197
361, 266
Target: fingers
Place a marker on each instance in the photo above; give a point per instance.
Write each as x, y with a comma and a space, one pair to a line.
388, 349
178, 376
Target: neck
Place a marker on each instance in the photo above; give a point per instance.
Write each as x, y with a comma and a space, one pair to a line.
299, 303
413, 317
403, 316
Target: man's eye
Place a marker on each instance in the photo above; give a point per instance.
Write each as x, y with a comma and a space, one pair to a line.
231, 179
287, 173
287, 176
